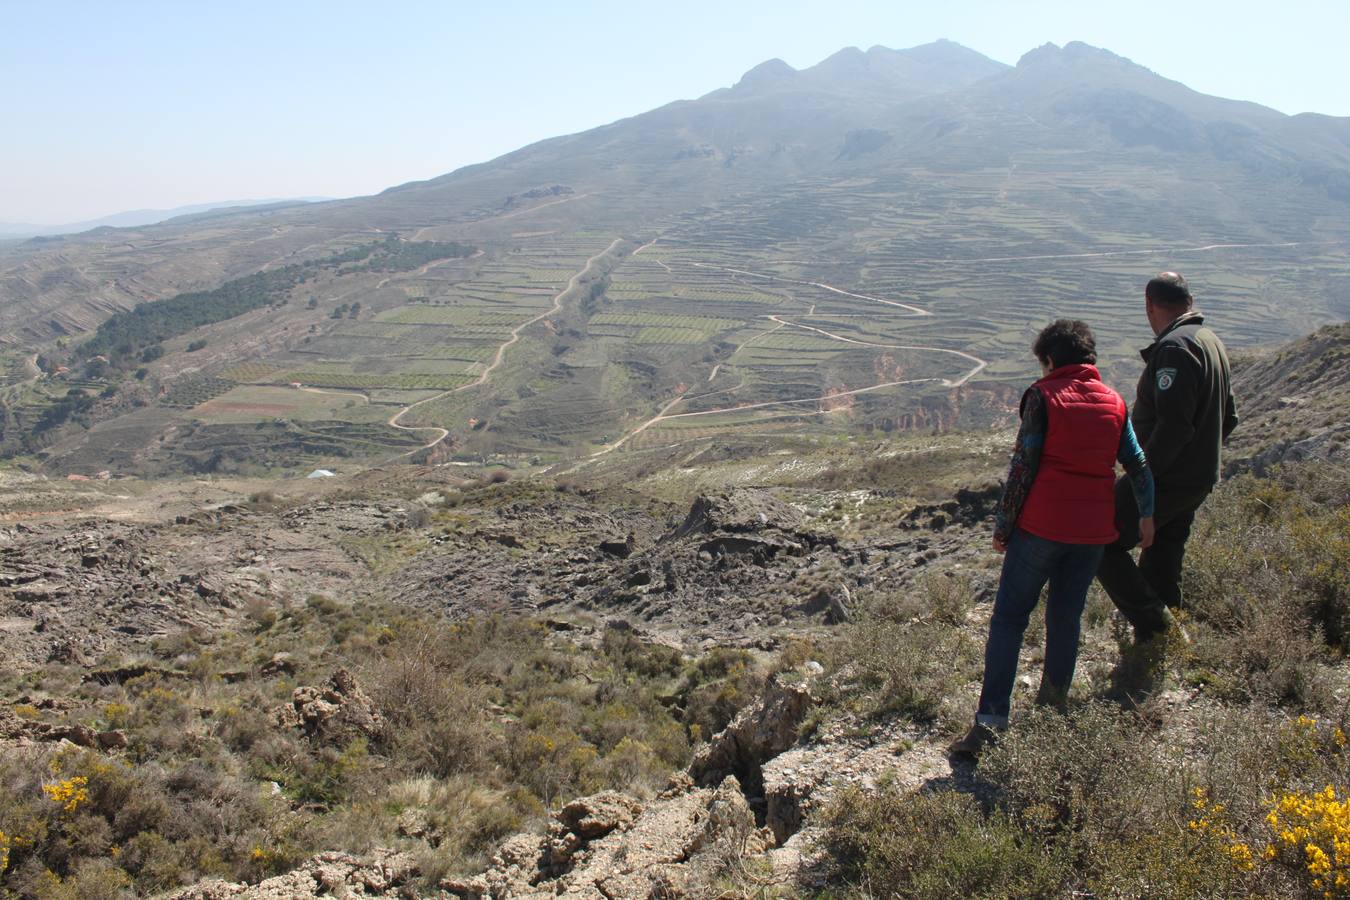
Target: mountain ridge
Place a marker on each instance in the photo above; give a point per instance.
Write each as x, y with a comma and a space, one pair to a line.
883, 228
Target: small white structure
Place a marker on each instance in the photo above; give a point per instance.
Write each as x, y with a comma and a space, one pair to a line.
321, 473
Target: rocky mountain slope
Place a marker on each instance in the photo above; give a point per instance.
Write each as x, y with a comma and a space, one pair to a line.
1294, 402
866, 243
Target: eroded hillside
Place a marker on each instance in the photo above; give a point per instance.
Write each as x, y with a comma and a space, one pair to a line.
727, 669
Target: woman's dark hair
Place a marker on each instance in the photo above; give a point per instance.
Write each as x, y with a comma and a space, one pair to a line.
1065, 342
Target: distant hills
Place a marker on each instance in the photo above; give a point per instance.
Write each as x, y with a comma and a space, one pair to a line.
869, 242
136, 217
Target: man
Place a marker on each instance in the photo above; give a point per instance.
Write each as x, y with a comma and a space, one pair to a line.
1183, 412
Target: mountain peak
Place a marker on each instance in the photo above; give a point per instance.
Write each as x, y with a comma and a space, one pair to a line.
1071, 54
928, 68
770, 72
847, 60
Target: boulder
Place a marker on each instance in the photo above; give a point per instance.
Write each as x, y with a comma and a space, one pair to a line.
759, 732
831, 602
596, 816
334, 713
111, 740
281, 663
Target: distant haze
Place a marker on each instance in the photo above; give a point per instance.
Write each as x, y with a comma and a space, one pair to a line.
125, 106
136, 217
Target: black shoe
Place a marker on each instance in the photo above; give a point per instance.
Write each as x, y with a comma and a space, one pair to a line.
973, 744
1050, 696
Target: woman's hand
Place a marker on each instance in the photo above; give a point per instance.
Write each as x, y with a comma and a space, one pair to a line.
1001, 547
1146, 533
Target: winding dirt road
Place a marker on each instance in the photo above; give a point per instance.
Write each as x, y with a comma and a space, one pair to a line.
314, 390
917, 310
665, 414
441, 433
979, 363
1206, 248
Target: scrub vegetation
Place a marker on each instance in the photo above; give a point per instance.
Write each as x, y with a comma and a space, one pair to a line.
487, 723
1229, 778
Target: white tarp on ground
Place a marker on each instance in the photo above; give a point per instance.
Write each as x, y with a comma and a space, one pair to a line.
321, 473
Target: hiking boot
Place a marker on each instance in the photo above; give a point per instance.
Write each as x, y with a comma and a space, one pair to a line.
976, 739
1050, 696
1142, 670
1171, 636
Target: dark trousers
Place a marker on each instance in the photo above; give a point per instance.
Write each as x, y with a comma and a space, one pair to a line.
1029, 563
1141, 590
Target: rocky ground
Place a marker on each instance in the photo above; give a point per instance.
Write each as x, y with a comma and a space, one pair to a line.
75, 591
765, 566
732, 568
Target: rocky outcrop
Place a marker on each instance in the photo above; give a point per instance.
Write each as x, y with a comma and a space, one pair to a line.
747, 522
385, 873
970, 507
1292, 403
70, 593
611, 846
739, 512
17, 730
334, 713
759, 732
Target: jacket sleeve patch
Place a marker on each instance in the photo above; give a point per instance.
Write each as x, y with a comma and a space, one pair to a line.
1166, 378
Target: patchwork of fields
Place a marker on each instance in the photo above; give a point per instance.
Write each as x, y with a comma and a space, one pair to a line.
829, 306
835, 306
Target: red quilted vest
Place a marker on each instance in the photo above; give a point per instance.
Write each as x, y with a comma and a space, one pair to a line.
1072, 499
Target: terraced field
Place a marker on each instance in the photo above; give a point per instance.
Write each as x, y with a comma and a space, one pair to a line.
845, 305
827, 309
830, 308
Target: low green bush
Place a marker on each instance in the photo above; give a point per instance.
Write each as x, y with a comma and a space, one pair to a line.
1268, 586
894, 843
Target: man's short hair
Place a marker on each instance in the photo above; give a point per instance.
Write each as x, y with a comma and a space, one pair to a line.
1066, 342
1169, 289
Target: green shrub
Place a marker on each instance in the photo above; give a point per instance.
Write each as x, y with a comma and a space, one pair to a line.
1170, 815
717, 687
910, 668
894, 843
1268, 584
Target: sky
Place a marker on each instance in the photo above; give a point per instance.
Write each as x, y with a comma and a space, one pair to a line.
114, 105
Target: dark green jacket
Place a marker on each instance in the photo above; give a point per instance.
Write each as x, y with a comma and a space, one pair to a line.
1183, 408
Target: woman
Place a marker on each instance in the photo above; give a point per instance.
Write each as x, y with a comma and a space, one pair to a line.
1056, 516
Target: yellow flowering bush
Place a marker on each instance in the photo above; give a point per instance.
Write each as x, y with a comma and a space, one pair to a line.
117, 715
1311, 834
68, 793
1212, 822
1305, 743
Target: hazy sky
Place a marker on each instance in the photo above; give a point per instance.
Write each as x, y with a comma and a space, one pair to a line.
112, 105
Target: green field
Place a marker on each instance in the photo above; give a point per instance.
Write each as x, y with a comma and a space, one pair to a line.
243, 405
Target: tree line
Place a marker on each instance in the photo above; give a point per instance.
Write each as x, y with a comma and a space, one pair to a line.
130, 337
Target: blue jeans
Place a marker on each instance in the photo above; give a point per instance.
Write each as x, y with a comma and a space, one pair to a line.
1030, 562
